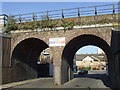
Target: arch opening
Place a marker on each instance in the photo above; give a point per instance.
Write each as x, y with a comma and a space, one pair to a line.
73, 46
25, 60
90, 58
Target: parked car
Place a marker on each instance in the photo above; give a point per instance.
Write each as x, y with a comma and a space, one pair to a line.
82, 72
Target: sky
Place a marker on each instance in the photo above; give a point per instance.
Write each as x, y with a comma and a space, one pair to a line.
90, 49
59, 0
13, 8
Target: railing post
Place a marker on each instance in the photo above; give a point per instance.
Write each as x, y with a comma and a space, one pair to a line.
62, 13
78, 12
79, 16
95, 8
20, 19
33, 16
113, 6
47, 15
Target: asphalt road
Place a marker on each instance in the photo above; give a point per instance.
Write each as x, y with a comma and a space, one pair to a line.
94, 79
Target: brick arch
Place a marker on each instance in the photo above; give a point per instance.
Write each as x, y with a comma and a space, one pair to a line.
24, 58
75, 44
100, 32
22, 38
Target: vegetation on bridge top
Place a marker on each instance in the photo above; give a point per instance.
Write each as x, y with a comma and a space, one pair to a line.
67, 23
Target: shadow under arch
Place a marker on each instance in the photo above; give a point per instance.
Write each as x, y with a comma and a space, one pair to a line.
25, 57
73, 46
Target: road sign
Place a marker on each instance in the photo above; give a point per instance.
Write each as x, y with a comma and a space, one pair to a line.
57, 41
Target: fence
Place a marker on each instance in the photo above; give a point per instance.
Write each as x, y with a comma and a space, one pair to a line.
68, 13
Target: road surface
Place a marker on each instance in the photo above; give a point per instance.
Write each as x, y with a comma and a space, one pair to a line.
95, 79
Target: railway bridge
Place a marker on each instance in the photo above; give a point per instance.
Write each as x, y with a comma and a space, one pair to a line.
21, 51
27, 47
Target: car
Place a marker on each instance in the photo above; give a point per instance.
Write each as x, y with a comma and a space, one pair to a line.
82, 72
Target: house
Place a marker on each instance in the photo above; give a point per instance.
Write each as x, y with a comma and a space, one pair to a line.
95, 61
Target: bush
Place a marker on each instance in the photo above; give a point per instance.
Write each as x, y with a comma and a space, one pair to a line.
48, 24
71, 24
11, 25
64, 24
86, 68
94, 68
97, 69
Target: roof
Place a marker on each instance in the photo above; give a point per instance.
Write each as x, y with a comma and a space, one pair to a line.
88, 58
96, 57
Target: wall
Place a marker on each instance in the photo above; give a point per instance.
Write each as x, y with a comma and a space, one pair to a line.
0, 60
115, 47
5, 47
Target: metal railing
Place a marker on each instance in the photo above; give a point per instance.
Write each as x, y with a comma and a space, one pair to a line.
68, 13
3, 19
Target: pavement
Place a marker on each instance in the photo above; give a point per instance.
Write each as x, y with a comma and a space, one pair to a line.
94, 79
15, 84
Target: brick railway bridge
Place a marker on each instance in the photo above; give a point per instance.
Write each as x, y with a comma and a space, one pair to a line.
20, 60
